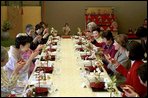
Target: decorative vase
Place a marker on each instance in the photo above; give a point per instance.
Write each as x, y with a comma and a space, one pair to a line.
5, 35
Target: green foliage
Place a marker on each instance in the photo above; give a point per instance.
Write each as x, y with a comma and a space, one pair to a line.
112, 83
7, 42
6, 26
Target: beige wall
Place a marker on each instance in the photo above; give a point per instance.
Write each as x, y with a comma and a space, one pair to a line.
3, 14
32, 15
129, 13
15, 19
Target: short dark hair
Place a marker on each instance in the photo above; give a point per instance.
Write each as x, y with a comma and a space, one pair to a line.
38, 26
43, 23
108, 35
96, 29
22, 40
136, 52
142, 72
29, 27
141, 32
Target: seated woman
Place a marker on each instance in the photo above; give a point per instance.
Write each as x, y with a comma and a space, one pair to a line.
145, 23
106, 46
142, 72
39, 32
22, 44
55, 34
31, 34
66, 29
136, 54
88, 32
88, 35
45, 27
96, 34
120, 43
7, 84
142, 34
79, 33
33, 45
91, 26
45, 31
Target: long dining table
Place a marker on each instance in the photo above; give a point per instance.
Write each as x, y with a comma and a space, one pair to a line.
66, 77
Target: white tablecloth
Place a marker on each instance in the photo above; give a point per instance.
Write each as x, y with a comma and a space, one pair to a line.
66, 77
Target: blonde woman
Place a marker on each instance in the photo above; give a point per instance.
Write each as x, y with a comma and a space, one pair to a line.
121, 56
7, 84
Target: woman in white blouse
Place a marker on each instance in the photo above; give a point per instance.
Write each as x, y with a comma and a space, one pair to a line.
6, 83
22, 44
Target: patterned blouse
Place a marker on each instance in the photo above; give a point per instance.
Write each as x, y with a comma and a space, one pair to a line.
8, 84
